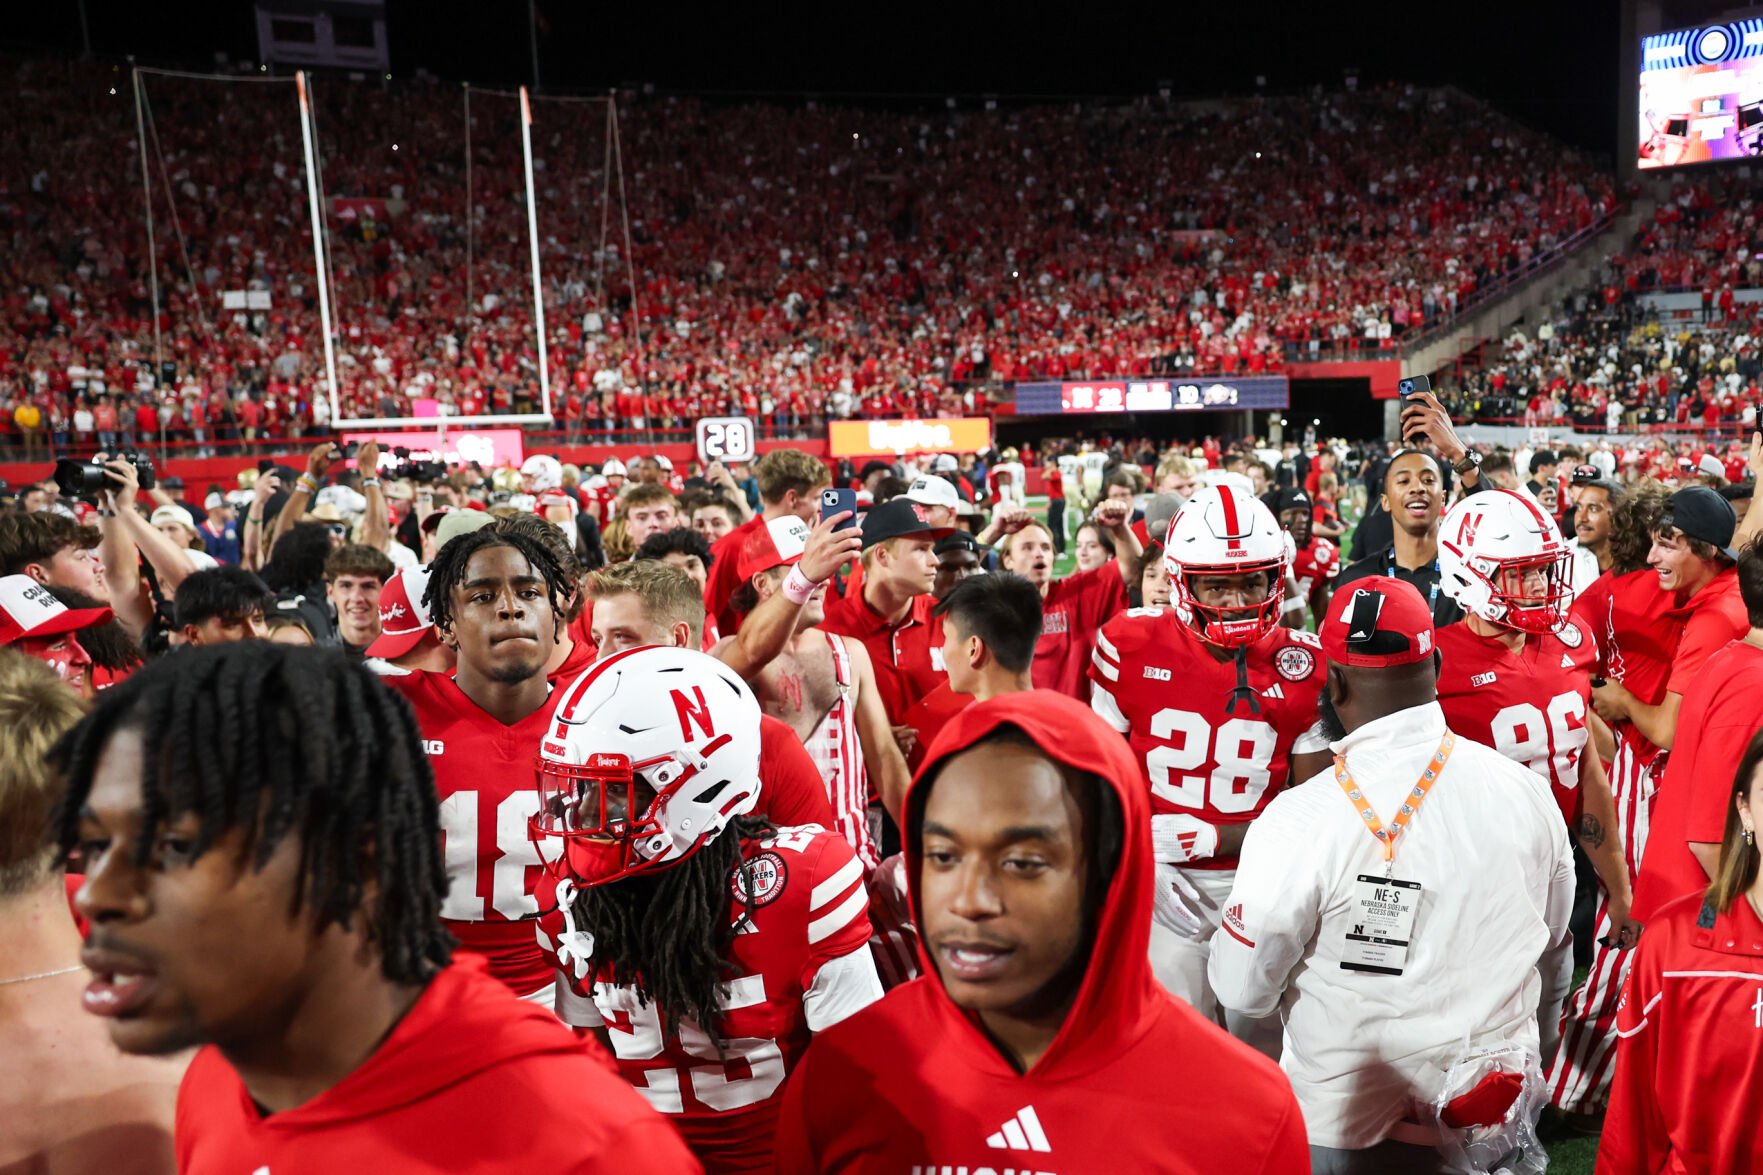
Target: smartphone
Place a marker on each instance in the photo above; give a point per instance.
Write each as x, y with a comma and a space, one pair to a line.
264, 465
347, 452
1413, 385
834, 501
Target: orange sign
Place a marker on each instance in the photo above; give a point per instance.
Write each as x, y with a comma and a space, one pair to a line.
889, 438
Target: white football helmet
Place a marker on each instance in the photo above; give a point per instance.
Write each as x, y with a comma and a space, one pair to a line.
1502, 557
541, 473
613, 468
653, 752
1222, 530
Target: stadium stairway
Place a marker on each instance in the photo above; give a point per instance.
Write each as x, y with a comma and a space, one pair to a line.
1551, 285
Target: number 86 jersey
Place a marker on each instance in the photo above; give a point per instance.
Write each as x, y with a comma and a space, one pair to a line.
799, 963
1156, 682
1530, 706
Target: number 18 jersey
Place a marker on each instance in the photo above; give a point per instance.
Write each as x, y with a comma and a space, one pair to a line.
484, 777
1530, 705
1157, 683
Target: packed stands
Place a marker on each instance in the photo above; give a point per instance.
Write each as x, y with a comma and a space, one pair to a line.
790, 261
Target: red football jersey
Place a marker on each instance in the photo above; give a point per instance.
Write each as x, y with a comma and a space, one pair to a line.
1530, 705
801, 964
484, 777
1156, 682
1315, 565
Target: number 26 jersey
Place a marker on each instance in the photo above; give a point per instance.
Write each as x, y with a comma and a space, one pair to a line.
1157, 683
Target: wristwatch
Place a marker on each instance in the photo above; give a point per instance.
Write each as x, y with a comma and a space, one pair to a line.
1471, 460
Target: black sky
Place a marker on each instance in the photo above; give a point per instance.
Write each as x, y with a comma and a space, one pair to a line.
1552, 63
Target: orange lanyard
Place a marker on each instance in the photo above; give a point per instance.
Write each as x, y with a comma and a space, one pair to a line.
1388, 836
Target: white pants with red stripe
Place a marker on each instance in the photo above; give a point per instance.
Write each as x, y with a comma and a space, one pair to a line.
1179, 959
1579, 1076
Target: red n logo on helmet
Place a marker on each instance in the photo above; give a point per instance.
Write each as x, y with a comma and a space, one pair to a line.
693, 710
1466, 530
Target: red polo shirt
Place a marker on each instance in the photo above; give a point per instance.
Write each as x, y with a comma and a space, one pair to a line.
1718, 719
1073, 612
907, 657
1710, 618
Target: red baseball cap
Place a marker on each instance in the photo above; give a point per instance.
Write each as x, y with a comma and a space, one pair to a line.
778, 543
27, 609
1377, 622
404, 621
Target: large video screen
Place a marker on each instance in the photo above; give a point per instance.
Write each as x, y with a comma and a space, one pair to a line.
1155, 395
1702, 95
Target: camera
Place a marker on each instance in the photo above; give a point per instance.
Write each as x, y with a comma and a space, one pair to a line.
423, 471
78, 479
1413, 385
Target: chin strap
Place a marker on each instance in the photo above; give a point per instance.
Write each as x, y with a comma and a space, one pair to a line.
1243, 690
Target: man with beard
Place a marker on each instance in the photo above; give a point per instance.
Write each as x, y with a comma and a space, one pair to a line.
494, 599
1406, 915
702, 946
1593, 512
1217, 702
1315, 560
822, 686
1074, 609
1414, 495
276, 899
1037, 1036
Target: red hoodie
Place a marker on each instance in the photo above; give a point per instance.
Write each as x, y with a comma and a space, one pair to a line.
912, 1083
472, 1079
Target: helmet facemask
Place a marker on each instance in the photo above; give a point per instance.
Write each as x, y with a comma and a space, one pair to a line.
1531, 595
1235, 627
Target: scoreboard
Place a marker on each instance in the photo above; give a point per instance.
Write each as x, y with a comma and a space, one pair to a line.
1219, 394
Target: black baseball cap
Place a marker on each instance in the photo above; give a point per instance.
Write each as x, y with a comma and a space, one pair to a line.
174, 482
1290, 498
897, 518
1700, 513
960, 540
1585, 475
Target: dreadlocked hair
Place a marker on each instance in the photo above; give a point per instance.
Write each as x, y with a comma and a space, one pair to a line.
667, 935
277, 740
447, 569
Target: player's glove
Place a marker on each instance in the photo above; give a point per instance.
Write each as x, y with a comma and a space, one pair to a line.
1177, 839
1176, 904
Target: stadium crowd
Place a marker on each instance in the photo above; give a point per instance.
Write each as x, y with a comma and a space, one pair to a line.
789, 262
749, 788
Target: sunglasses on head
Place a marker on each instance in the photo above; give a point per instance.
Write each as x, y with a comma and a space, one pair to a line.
1585, 473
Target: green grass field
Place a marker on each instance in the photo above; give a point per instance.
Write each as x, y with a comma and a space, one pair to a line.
1567, 1156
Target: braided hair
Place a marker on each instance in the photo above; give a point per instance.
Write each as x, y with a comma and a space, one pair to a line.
277, 740
447, 569
667, 934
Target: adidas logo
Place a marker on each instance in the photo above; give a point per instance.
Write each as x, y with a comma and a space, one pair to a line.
1021, 1132
1566, 660
1273, 691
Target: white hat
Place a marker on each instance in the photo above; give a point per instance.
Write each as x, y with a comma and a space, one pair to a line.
613, 468
665, 462
346, 500
945, 463
175, 514
1710, 466
927, 489
213, 502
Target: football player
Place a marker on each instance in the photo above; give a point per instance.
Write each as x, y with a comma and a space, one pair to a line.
1315, 560
1219, 704
495, 599
703, 947
1516, 673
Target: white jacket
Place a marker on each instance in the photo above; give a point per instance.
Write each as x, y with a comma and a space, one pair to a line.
1490, 944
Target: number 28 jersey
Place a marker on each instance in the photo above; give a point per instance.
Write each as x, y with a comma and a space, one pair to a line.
1530, 705
1157, 683
799, 963
484, 777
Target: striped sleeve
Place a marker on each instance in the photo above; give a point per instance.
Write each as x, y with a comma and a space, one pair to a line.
838, 905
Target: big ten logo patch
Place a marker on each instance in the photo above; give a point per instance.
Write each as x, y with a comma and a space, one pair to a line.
764, 876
